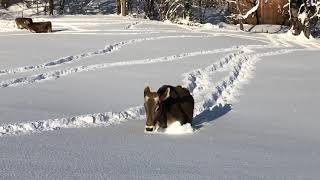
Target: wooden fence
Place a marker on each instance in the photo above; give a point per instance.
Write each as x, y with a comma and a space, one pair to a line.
269, 11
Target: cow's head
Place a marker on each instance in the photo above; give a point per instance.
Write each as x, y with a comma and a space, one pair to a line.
28, 21
151, 105
155, 107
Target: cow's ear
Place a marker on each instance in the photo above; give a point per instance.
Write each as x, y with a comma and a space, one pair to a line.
146, 91
166, 93
169, 93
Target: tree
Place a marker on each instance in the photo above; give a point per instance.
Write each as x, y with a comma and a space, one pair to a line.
118, 3
241, 17
123, 8
149, 8
304, 15
174, 9
62, 4
4, 3
163, 8
51, 7
130, 6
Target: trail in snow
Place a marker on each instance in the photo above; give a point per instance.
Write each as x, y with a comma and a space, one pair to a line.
289, 40
280, 40
224, 92
89, 120
114, 33
207, 93
75, 58
241, 63
64, 72
132, 25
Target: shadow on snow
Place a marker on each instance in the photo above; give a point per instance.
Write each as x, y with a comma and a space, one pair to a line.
211, 115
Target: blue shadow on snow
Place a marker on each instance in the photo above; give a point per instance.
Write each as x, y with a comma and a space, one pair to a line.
211, 115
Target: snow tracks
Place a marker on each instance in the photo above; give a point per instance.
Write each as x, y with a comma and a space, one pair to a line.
75, 58
207, 95
239, 63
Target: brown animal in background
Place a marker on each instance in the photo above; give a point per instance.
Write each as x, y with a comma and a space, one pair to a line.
169, 104
22, 23
40, 27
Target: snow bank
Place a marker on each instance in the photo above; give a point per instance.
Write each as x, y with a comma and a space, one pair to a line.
208, 94
7, 26
177, 129
75, 58
301, 40
89, 120
53, 75
174, 129
21, 9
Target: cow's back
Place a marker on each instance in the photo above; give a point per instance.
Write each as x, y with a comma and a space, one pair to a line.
40, 27
179, 106
186, 103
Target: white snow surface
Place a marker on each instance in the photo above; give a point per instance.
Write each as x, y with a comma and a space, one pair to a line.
71, 102
178, 129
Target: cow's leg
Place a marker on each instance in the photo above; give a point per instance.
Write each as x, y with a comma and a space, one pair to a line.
49, 29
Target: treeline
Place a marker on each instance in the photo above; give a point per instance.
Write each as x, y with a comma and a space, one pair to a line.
4, 3
152, 9
301, 15
169, 9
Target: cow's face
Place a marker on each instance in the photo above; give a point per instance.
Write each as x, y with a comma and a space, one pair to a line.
155, 107
151, 105
28, 22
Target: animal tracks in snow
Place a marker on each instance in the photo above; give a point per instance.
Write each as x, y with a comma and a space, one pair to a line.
207, 94
239, 64
64, 72
90, 120
132, 25
75, 58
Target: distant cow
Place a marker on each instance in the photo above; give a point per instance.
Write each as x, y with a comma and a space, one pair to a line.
40, 27
22, 23
169, 104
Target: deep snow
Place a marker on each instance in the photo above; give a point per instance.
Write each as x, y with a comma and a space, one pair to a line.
71, 102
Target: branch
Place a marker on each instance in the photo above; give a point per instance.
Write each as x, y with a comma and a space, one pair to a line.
252, 10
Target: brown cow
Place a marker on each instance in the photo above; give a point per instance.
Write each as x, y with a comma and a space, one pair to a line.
22, 23
40, 27
169, 104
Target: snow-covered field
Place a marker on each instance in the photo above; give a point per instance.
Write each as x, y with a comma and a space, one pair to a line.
71, 102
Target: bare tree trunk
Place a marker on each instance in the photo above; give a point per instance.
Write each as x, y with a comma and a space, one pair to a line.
297, 26
129, 4
45, 9
123, 8
163, 9
51, 7
149, 8
61, 10
200, 11
4, 3
306, 28
37, 8
118, 2
257, 17
187, 9
241, 24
